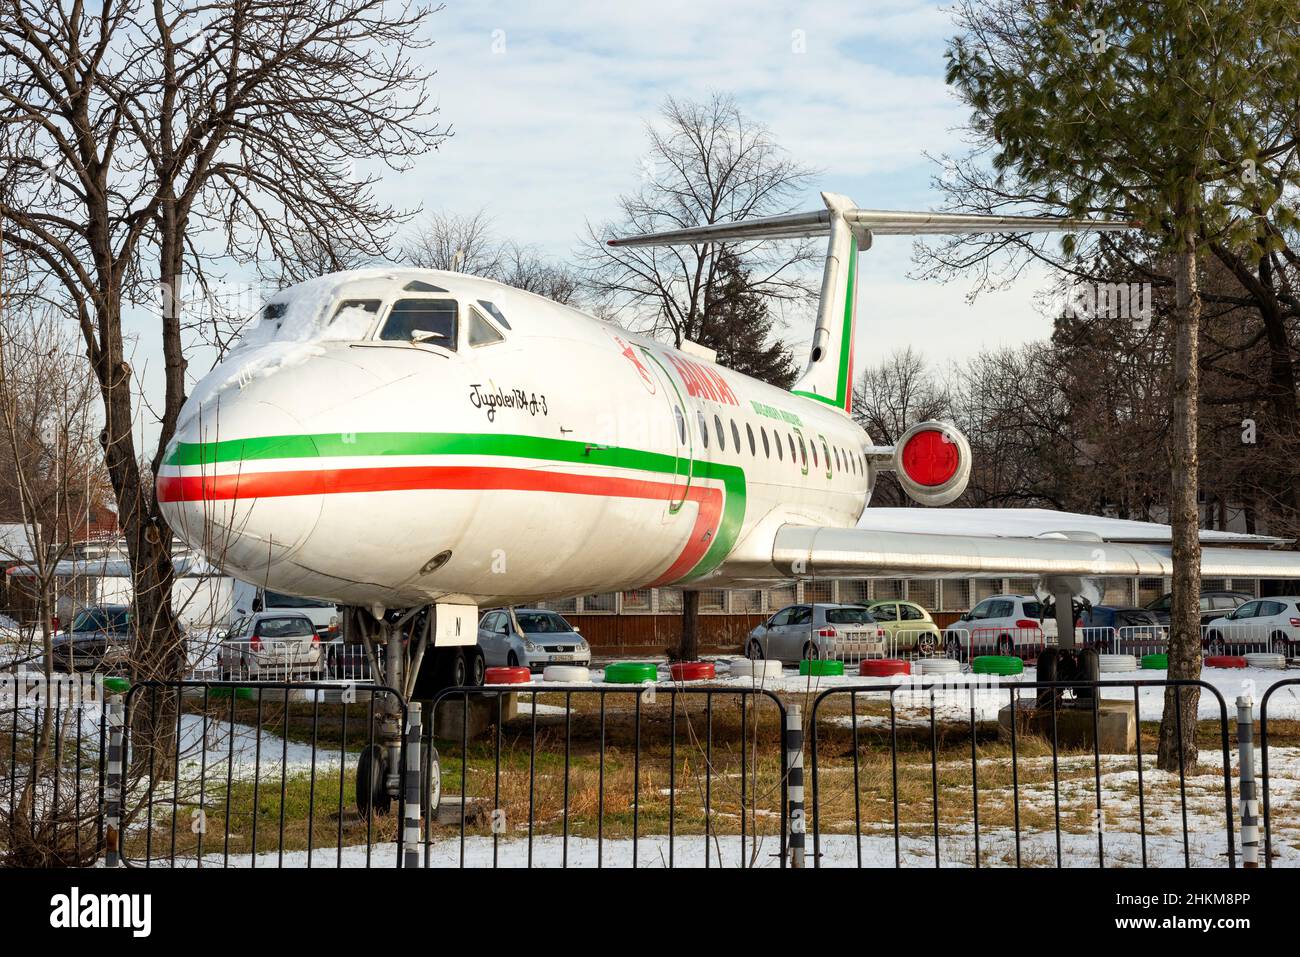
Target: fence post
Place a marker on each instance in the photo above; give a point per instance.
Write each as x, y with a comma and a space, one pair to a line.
794, 762
1246, 768
411, 788
113, 786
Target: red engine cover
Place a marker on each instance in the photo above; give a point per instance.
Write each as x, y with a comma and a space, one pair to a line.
929, 458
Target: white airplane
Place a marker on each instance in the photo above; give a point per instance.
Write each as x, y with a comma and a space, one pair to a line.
404, 441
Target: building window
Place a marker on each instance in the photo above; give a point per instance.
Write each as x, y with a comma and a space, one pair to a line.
925, 592
953, 595
605, 602
670, 600
1149, 589
778, 596
746, 601
713, 599
888, 589
637, 600
565, 606
819, 590
855, 591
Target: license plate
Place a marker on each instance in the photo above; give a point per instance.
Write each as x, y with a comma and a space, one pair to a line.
562, 657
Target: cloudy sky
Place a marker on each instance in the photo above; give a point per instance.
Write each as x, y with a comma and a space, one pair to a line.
548, 100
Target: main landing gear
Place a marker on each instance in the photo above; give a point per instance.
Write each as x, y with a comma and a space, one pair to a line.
417, 655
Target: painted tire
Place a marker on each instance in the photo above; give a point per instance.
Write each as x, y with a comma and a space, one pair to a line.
693, 671
568, 674
631, 672
1225, 661
1157, 662
1265, 659
117, 685
1110, 664
507, 676
239, 694
821, 667
936, 666
997, 665
760, 669
883, 667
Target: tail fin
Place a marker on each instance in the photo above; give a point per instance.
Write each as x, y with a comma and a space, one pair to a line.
829, 375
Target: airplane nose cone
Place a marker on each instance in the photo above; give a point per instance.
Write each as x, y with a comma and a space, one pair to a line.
226, 485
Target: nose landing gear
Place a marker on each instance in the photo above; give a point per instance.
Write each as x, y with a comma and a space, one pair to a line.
421, 657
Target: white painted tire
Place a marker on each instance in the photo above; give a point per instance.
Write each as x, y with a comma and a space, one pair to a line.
1265, 659
1110, 664
761, 669
567, 674
936, 666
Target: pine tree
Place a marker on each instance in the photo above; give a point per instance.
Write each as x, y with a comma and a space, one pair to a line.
737, 324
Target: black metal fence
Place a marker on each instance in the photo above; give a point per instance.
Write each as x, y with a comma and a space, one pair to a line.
938, 771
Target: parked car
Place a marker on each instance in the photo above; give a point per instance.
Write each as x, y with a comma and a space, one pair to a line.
817, 631
530, 637
1262, 624
1116, 630
1214, 604
269, 645
1004, 624
908, 626
99, 639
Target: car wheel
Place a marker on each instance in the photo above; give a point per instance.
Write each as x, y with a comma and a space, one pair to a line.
1214, 643
927, 643
754, 650
952, 648
810, 652
1006, 646
512, 660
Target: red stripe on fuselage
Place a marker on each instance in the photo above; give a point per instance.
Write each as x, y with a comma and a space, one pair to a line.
253, 485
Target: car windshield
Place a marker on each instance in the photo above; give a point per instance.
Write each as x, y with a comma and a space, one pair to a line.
848, 616
1160, 604
541, 623
101, 619
284, 628
276, 600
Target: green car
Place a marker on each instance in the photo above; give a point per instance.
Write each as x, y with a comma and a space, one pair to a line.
909, 626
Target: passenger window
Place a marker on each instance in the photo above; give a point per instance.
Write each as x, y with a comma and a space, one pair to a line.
425, 320
791, 438
481, 332
681, 424
826, 454
814, 451
749, 433
717, 428
735, 436
803, 454
839, 464
767, 449
704, 428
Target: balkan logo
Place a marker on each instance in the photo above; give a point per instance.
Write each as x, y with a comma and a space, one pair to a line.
75, 910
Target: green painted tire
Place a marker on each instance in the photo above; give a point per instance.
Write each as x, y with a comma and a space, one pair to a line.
1158, 662
821, 667
239, 694
117, 685
631, 672
997, 665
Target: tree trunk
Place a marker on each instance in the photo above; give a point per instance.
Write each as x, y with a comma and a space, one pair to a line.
689, 647
1178, 723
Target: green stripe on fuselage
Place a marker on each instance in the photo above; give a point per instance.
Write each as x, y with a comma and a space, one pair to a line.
380, 444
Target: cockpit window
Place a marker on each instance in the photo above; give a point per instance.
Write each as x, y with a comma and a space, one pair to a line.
273, 313
424, 320
416, 285
481, 332
495, 313
352, 318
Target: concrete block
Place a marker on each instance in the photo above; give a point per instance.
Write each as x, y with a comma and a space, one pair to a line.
450, 719
1116, 725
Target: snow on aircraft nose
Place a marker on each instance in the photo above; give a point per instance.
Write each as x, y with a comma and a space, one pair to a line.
217, 484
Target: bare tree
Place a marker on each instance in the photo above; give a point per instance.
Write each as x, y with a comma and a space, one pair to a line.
707, 163
128, 128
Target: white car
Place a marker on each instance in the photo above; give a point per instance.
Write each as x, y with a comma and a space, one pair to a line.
1263, 624
270, 644
1005, 625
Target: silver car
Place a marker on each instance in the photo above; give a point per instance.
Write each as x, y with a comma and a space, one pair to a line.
530, 637
817, 631
270, 644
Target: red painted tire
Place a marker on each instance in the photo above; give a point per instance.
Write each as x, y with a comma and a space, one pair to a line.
692, 671
1225, 661
507, 676
883, 667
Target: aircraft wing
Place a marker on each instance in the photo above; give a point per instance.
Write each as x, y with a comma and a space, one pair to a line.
866, 552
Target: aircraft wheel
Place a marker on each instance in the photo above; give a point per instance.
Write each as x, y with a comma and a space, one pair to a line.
431, 781
372, 769
475, 666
